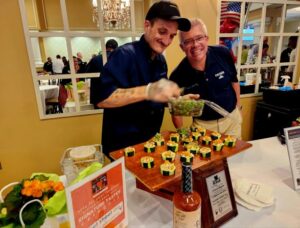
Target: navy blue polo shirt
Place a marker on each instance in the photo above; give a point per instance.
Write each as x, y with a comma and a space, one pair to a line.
213, 84
129, 66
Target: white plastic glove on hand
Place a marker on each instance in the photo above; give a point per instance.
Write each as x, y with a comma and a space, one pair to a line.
162, 90
191, 96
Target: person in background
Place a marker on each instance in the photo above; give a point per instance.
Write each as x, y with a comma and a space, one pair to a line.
79, 56
253, 51
265, 57
65, 61
63, 93
285, 54
290, 69
81, 63
66, 69
48, 66
244, 54
58, 65
133, 86
210, 72
96, 65
292, 57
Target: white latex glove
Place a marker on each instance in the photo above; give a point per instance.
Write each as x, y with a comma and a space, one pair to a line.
191, 96
162, 90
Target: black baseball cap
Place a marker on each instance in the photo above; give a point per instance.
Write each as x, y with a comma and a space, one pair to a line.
168, 11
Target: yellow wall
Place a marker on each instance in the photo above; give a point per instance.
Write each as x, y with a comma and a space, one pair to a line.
27, 143
248, 112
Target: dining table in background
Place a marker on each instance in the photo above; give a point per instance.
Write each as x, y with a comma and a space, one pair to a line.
47, 92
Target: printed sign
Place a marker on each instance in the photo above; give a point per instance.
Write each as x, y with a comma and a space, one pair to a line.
219, 195
292, 139
99, 200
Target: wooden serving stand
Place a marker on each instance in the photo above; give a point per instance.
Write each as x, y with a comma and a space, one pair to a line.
211, 179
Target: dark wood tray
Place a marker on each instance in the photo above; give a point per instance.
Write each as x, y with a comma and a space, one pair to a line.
153, 179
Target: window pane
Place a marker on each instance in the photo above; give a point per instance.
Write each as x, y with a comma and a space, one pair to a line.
248, 80
48, 54
269, 49
83, 50
267, 77
66, 93
250, 43
253, 16
288, 54
51, 96
291, 23
273, 17
230, 17
232, 44
84, 93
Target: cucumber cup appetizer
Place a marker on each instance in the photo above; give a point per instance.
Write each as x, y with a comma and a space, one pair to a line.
186, 156
215, 135
149, 147
230, 141
173, 146
147, 162
205, 152
206, 140
218, 145
168, 155
167, 168
129, 151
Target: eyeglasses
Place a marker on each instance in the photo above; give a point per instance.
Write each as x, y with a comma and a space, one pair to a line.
195, 40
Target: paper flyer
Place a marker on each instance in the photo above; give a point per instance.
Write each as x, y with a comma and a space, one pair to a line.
292, 139
100, 199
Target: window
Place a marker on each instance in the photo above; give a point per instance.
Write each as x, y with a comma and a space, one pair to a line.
263, 42
76, 31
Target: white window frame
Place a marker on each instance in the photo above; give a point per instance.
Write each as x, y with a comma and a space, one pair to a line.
258, 65
68, 35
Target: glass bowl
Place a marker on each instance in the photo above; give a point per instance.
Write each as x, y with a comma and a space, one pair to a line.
186, 107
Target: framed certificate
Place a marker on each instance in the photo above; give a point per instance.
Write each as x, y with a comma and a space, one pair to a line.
99, 200
215, 188
292, 139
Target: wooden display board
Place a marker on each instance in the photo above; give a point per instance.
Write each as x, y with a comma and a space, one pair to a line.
210, 175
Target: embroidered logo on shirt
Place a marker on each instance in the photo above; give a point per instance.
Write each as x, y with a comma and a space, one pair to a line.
220, 75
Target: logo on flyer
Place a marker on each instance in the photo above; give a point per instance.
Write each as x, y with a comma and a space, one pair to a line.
216, 180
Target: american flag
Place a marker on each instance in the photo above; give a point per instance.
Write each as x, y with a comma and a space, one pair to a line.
231, 10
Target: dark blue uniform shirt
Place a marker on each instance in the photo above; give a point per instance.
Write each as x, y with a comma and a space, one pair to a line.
129, 66
213, 84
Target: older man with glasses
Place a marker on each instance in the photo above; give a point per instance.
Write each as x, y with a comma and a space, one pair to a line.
210, 72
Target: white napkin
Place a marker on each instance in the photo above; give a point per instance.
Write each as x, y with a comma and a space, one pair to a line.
253, 195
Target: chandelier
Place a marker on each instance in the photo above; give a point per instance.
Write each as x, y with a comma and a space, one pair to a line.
116, 14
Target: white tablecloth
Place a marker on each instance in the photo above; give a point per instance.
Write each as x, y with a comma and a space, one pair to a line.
46, 92
267, 161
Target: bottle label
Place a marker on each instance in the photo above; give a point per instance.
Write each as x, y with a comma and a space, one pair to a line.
186, 219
